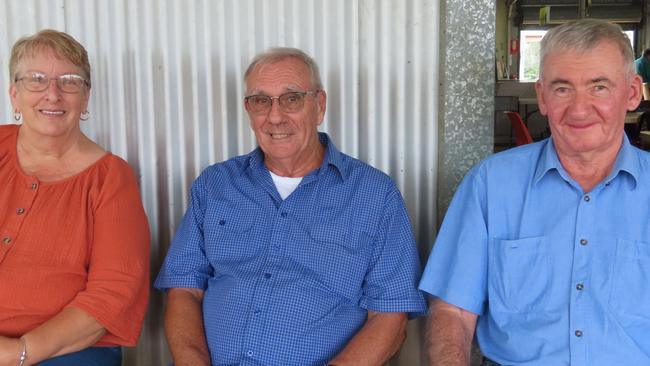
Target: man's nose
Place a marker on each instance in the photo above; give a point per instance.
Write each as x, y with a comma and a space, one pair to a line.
275, 113
580, 104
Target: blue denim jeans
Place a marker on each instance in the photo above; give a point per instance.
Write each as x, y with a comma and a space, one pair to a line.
93, 356
488, 362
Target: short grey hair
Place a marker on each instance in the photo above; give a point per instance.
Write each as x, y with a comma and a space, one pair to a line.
584, 35
276, 54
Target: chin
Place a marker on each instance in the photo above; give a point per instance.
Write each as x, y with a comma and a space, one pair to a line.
277, 154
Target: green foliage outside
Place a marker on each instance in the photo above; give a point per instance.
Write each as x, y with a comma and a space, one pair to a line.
531, 61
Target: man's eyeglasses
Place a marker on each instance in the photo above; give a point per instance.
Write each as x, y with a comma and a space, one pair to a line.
290, 102
38, 82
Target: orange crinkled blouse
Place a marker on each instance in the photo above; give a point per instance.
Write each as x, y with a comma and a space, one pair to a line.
82, 241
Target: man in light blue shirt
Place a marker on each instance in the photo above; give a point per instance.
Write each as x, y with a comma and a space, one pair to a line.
545, 249
293, 254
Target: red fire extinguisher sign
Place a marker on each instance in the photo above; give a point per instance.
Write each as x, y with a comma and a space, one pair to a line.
514, 46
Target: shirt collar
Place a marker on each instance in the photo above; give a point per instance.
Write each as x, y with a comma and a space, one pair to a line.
626, 161
333, 157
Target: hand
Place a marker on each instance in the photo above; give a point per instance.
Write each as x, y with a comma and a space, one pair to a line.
10, 349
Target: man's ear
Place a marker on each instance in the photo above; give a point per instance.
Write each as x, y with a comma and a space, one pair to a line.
321, 104
635, 93
539, 91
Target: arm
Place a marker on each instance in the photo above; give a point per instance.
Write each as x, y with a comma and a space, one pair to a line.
377, 341
184, 327
451, 330
117, 286
69, 331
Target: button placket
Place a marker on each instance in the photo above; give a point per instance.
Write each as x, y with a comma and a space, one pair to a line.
262, 296
22, 199
581, 300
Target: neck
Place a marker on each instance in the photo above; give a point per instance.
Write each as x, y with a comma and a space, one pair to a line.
589, 169
58, 147
296, 167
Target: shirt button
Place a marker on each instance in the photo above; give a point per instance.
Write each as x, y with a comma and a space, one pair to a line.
284, 214
587, 199
34, 186
578, 333
249, 353
267, 275
6, 239
583, 241
20, 211
579, 287
222, 222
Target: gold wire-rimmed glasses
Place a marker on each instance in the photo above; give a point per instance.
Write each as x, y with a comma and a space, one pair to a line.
290, 102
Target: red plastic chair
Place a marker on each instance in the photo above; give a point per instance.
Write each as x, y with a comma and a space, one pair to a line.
522, 136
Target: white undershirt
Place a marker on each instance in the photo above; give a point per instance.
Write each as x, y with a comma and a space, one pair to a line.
285, 185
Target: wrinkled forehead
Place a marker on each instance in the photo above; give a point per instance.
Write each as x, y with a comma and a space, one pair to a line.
288, 74
604, 55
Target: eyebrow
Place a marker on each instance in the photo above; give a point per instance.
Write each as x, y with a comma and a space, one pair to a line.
600, 79
559, 81
288, 89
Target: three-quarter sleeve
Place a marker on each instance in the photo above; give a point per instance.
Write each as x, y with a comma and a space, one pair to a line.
117, 288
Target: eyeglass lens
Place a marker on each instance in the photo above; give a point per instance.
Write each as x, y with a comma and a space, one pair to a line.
67, 83
289, 102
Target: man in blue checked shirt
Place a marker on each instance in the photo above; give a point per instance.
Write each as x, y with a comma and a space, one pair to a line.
545, 249
294, 254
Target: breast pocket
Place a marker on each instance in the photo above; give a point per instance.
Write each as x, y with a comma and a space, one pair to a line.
630, 294
337, 259
519, 274
227, 231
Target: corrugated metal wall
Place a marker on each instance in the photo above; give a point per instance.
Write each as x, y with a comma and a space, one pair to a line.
167, 95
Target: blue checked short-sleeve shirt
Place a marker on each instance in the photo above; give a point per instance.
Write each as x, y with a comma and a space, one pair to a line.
290, 282
558, 276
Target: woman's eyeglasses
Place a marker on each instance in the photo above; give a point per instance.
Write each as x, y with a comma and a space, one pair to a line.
38, 82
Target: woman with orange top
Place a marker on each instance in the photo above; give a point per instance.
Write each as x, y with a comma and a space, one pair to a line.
74, 239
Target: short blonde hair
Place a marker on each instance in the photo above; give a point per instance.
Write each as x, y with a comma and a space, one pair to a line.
62, 44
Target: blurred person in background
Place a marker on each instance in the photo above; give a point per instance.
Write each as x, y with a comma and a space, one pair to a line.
642, 65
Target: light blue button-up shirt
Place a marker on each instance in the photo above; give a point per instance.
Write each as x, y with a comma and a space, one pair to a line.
558, 276
290, 282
